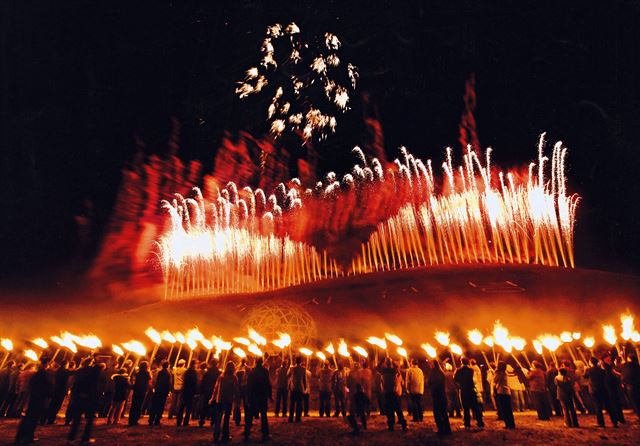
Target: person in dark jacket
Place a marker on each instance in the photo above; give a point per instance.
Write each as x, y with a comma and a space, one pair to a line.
139, 385
120, 382
553, 391
189, 391
206, 391
282, 388
226, 393
437, 385
10, 374
595, 376
84, 399
502, 392
40, 387
631, 381
60, 389
566, 396
392, 390
613, 383
258, 395
358, 409
468, 394
297, 384
161, 389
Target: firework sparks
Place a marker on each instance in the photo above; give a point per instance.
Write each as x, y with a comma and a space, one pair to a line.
309, 67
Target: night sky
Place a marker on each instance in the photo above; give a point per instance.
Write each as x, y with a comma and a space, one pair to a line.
81, 82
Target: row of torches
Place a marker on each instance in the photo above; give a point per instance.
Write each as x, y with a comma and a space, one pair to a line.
500, 341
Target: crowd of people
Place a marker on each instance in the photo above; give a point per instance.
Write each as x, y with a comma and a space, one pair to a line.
202, 393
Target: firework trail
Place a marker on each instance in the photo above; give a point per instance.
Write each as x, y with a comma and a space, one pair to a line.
308, 83
244, 240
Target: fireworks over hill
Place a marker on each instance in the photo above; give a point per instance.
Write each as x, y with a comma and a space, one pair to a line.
245, 241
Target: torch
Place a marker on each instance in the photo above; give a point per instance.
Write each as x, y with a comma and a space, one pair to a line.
567, 338
137, 348
239, 352
519, 344
402, 352
488, 341
282, 342
551, 343
64, 343
170, 338
537, 345
343, 351
118, 351
360, 351
430, 350
589, 342
181, 340
378, 343
475, 336
609, 335
321, 356
209, 346
40, 342
31, 355
628, 328
8, 346
306, 352
255, 350
156, 338
329, 349
442, 337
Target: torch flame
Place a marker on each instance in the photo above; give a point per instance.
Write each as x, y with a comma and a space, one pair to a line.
283, 341
393, 339
402, 351
518, 343
488, 341
589, 341
221, 345
7, 344
89, 341
206, 344
537, 345
136, 347
321, 356
361, 351
65, 343
256, 337
442, 337
117, 350
31, 355
305, 351
431, 351
168, 337
40, 342
154, 335
255, 350
566, 336
180, 337
191, 343
501, 335
576, 335
456, 349
329, 349
475, 336
239, 352
378, 342
609, 334
550, 342
243, 341
627, 326
343, 350
195, 334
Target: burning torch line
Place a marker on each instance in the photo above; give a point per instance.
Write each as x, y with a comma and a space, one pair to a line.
584, 359
516, 359
170, 352
453, 359
524, 354
573, 356
206, 361
55, 355
484, 355
153, 354
546, 365
5, 359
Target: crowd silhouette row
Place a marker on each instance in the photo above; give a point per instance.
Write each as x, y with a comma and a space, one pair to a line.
202, 393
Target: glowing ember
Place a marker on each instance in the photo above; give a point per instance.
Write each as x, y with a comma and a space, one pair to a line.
136, 347
30, 354
430, 350
40, 342
442, 337
154, 335
609, 334
361, 351
475, 336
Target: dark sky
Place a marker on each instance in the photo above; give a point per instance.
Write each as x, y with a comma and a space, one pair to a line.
81, 80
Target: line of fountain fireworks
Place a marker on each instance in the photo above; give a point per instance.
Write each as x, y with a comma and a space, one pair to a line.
244, 241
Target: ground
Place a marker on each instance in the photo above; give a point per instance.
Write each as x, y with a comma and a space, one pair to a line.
317, 431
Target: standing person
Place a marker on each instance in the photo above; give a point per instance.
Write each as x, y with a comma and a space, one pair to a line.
226, 393
566, 396
12, 371
339, 385
453, 395
631, 381
189, 390
517, 395
477, 380
120, 382
377, 389
297, 384
437, 386
325, 377
415, 388
4, 384
358, 409
241, 374
553, 390
161, 388
140, 385
258, 396
23, 389
206, 391
538, 391
84, 399
613, 383
366, 379
178, 382
596, 379
392, 390
306, 395
282, 388
502, 391
39, 391
60, 390
468, 394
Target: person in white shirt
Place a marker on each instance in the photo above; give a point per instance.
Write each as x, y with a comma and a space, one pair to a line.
415, 389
